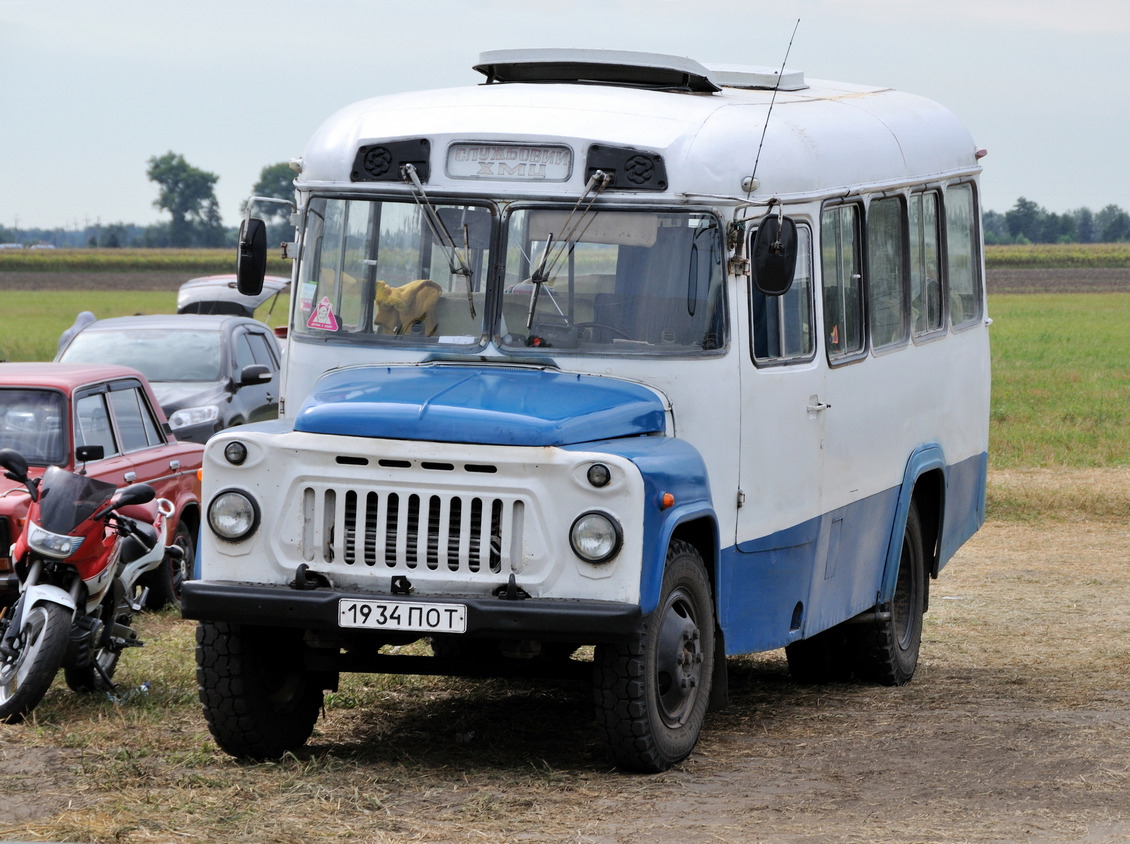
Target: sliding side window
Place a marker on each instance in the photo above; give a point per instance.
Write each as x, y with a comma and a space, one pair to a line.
925, 264
782, 325
963, 260
843, 281
886, 273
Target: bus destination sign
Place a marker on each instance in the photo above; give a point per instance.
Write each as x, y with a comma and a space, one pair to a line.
510, 162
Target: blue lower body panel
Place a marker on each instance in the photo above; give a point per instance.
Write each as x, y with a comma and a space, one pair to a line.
797, 582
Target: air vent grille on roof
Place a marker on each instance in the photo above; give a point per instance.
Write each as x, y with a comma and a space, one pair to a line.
596, 67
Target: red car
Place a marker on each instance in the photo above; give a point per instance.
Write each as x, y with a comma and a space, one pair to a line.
47, 410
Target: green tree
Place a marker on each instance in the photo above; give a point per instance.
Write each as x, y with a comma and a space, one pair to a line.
1113, 224
1025, 220
189, 195
276, 181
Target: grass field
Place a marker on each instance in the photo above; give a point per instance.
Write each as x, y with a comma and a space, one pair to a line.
1061, 387
204, 261
31, 321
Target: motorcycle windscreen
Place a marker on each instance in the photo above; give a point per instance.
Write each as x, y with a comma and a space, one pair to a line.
67, 500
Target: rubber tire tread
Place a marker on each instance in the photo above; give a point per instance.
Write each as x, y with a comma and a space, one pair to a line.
234, 676
881, 657
52, 650
620, 688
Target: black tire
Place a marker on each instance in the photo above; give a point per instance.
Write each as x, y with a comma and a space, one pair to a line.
167, 580
42, 645
652, 694
889, 649
258, 700
81, 674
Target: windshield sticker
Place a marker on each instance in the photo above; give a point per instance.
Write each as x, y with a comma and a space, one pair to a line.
323, 316
306, 296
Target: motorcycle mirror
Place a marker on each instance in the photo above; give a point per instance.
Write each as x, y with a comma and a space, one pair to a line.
251, 260
774, 254
134, 494
15, 464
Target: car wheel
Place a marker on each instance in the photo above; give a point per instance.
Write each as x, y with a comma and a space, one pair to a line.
167, 580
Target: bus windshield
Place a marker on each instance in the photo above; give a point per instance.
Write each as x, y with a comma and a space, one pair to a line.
613, 282
610, 282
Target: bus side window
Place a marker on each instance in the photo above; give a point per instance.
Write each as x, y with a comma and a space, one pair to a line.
782, 325
925, 264
963, 264
843, 280
886, 273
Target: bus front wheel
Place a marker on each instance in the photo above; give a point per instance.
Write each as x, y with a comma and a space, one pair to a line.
652, 693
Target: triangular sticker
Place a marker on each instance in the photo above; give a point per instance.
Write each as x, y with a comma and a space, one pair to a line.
323, 316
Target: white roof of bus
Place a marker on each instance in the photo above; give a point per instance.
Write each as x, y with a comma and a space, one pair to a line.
822, 139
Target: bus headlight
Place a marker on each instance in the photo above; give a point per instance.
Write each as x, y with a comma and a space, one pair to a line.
233, 515
596, 537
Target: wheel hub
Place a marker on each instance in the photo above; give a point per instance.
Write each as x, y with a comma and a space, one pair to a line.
678, 660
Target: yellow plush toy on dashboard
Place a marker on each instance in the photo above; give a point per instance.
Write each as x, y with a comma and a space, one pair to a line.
398, 308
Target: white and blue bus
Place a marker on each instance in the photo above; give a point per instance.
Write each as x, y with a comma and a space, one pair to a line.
613, 361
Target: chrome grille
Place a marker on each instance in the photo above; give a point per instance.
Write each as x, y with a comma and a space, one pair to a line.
410, 531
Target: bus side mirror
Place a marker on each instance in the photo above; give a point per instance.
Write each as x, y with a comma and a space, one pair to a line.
251, 260
774, 255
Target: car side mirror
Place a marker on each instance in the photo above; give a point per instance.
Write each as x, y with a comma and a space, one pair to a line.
86, 453
251, 260
774, 254
254, 373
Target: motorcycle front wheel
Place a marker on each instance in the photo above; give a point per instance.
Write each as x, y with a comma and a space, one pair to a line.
26, 676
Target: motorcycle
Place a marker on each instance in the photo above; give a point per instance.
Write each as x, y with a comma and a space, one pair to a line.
83, 547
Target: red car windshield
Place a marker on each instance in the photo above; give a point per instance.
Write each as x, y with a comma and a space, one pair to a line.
33, 423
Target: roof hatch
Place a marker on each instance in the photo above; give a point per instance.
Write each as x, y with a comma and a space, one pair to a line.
596, 67
630, 70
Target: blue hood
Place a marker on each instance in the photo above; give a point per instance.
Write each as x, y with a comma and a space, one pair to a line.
478, 404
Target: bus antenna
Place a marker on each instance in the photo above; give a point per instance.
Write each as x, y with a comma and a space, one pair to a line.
752, 184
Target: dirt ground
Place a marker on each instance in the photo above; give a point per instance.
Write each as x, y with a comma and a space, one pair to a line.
1015, 728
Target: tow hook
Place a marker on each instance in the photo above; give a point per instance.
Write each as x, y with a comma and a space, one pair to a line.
511, 591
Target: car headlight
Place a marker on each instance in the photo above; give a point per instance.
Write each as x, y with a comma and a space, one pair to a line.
186, 417
596, 537
233, 515
51, 544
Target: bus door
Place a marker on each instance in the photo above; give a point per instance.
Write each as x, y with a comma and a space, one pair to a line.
781, 537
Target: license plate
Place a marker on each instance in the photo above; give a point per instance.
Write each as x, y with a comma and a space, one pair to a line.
399, 615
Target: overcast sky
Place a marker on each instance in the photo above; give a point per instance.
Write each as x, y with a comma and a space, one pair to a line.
89, 91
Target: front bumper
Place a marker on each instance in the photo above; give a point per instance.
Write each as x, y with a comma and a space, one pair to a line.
581, 622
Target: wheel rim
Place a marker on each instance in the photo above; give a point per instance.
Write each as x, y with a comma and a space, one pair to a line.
178, 572
678, 668
14, 672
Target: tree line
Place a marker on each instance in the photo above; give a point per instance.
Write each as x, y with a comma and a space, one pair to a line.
1027, 222
188, 194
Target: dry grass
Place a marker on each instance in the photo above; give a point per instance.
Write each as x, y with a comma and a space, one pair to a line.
1017, 726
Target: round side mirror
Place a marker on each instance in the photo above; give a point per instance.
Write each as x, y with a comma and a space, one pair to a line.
251, 260
774, 255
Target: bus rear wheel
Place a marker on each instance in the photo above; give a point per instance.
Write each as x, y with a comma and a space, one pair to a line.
889, 652
652, 693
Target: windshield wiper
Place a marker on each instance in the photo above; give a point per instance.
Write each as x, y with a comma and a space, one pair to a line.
456, 262
597, 183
